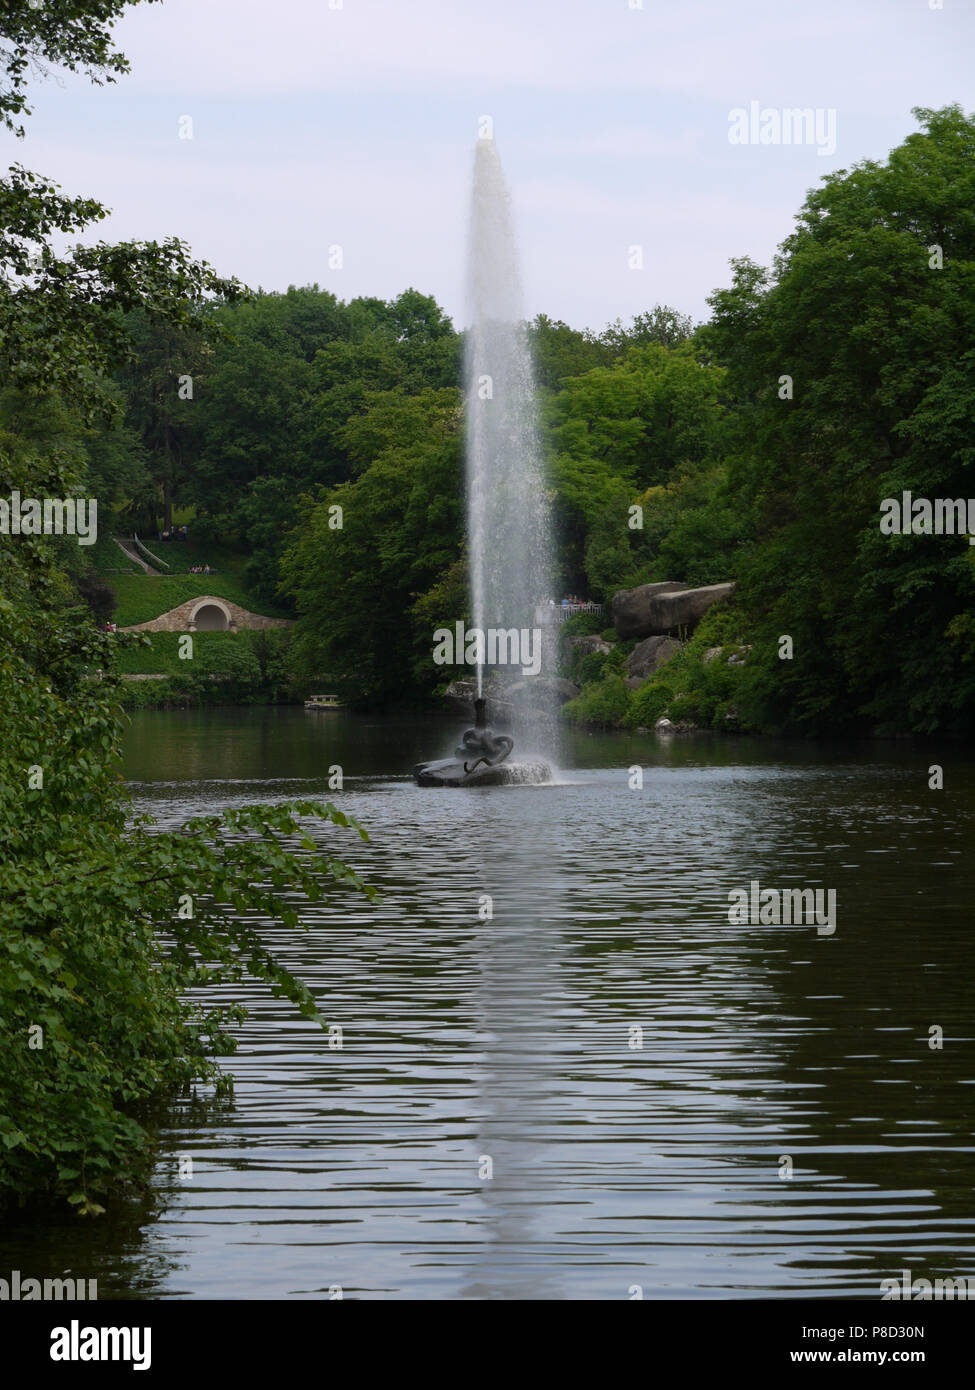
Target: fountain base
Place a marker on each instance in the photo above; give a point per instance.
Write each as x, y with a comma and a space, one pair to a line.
482, 761
451, 772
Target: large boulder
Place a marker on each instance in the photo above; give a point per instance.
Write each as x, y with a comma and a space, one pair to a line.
629, 607
459, 699
650, 654
657, 609
543, 692
505, 696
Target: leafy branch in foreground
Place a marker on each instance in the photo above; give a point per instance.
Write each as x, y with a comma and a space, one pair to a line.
97, 960
248, 875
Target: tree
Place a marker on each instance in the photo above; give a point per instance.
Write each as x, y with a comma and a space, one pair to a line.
94, 1022
660, 326
159, 383
356, 573
74, 34
616, 431
852, 363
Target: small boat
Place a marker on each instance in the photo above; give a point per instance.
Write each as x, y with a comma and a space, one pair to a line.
324, 702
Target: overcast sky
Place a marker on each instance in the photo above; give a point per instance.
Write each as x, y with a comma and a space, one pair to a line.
316, 126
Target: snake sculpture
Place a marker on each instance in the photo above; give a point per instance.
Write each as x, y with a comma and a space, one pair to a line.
493, 748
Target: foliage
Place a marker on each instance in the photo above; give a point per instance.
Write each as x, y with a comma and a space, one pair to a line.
604, 703
85, 895
689, 688
356, 585
877, 340
105, 924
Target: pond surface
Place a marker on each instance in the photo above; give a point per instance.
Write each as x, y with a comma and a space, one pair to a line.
607, 1082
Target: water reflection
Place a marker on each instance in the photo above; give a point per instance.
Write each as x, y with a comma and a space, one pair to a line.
635, 1065
516, 1004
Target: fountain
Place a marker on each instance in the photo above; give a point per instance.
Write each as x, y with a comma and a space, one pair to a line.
507, 507
481, 761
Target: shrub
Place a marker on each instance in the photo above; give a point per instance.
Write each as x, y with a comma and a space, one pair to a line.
648, 704
604, 703
589, 668
581, 625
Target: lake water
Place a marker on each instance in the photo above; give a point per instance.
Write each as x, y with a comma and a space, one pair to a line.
632, 1069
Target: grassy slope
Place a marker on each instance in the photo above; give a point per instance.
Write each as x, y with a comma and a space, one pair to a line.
163, 655
106, 557
141, 597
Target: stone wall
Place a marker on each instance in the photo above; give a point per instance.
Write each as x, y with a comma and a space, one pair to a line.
180, 619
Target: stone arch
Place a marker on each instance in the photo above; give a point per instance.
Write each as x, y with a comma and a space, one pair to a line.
210, 615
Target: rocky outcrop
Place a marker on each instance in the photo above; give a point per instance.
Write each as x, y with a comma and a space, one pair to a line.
737, 658
650, 654
683, 726
629, 607
504, 698
548, 692
657, 609
459, 699
589, 644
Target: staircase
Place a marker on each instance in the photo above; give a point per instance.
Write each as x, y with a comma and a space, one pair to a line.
127, 547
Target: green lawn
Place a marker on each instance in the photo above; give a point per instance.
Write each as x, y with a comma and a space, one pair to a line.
180, 555
141, 597
106, 557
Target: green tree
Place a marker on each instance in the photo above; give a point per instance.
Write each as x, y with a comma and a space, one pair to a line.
852, 362
95, 1025
355, 583
615, 432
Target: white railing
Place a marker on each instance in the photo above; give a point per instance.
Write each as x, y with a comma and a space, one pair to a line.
163, 564
569, 610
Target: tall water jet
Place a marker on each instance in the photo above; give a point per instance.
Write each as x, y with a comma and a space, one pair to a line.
508, 514
507, 508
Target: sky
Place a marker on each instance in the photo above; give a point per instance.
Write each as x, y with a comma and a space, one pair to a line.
351, 123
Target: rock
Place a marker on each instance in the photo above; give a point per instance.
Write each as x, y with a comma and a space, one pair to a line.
459, 699
459, 696
589, 644
710, 655
651, 654
656, 609
683, 726
738, 657
629, 607
634, 682
539, 692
